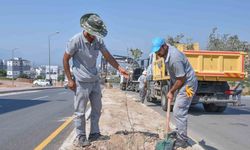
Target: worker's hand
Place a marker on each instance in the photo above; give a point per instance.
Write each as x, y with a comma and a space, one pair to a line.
170, 96
72, 85
123, 72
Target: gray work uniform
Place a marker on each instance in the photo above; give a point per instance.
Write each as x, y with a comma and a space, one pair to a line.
84, 56
142, 91
178, 66
238, 90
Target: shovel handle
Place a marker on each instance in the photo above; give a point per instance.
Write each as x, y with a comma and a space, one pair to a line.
168, 116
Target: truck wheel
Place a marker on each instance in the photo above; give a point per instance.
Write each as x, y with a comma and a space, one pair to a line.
149, 98
122, 87
133, 87
221, 108
164, 100
210, 107
214, 108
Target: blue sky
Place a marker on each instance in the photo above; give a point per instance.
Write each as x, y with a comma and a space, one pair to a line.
26, 24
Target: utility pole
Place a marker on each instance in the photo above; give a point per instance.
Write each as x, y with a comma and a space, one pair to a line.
13, 50
49, 50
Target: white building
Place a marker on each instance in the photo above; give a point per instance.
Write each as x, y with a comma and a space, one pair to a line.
18, 66
54, 72
41, 71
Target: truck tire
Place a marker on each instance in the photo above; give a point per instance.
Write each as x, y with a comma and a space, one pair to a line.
133, 87
221, 108
210, 107
149, 98
122, 87
214, 108
164, 100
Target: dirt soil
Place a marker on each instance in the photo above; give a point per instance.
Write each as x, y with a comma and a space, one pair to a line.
8, 84
127, 124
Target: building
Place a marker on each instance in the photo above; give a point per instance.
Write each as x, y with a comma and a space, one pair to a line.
54, 72
40, 71
17, 67
3, 64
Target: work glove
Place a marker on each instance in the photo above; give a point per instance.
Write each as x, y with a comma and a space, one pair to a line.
189, 91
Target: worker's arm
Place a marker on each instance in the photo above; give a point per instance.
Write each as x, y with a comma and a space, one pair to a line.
179, 71
113, 62
71, 49
177, 85
71, 82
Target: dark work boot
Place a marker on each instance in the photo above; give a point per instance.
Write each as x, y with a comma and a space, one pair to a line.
96, 137
180, 143
81, 141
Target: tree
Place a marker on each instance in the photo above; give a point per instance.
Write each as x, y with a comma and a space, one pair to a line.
3, 73
136, 53
24, 76
175, 40
179, 39
61, 78
40, 77
227, 42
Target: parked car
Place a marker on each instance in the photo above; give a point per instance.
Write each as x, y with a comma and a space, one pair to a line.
41, 82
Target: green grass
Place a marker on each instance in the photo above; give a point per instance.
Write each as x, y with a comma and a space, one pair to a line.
4, 78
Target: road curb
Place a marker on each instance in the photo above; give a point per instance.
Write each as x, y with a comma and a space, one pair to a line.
29, 89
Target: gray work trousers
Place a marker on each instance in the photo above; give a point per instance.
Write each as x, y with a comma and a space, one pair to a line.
86, 91
237, 96
180, 111
142, 92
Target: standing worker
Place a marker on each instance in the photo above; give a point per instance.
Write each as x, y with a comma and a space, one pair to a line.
143, 85
237, 93
184, 82
84, 48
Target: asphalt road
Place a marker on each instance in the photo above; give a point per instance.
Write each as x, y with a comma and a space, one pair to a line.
223, 131
27, 119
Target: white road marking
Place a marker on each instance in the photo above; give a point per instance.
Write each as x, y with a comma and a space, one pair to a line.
40, 97
64, 119
61, 93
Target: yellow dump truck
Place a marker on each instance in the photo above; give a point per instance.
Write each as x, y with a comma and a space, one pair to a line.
213, 69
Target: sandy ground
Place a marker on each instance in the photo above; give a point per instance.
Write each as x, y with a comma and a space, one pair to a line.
8, 84
126, 124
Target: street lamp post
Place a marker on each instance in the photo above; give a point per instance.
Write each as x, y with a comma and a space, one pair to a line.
13, 50
49, 48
